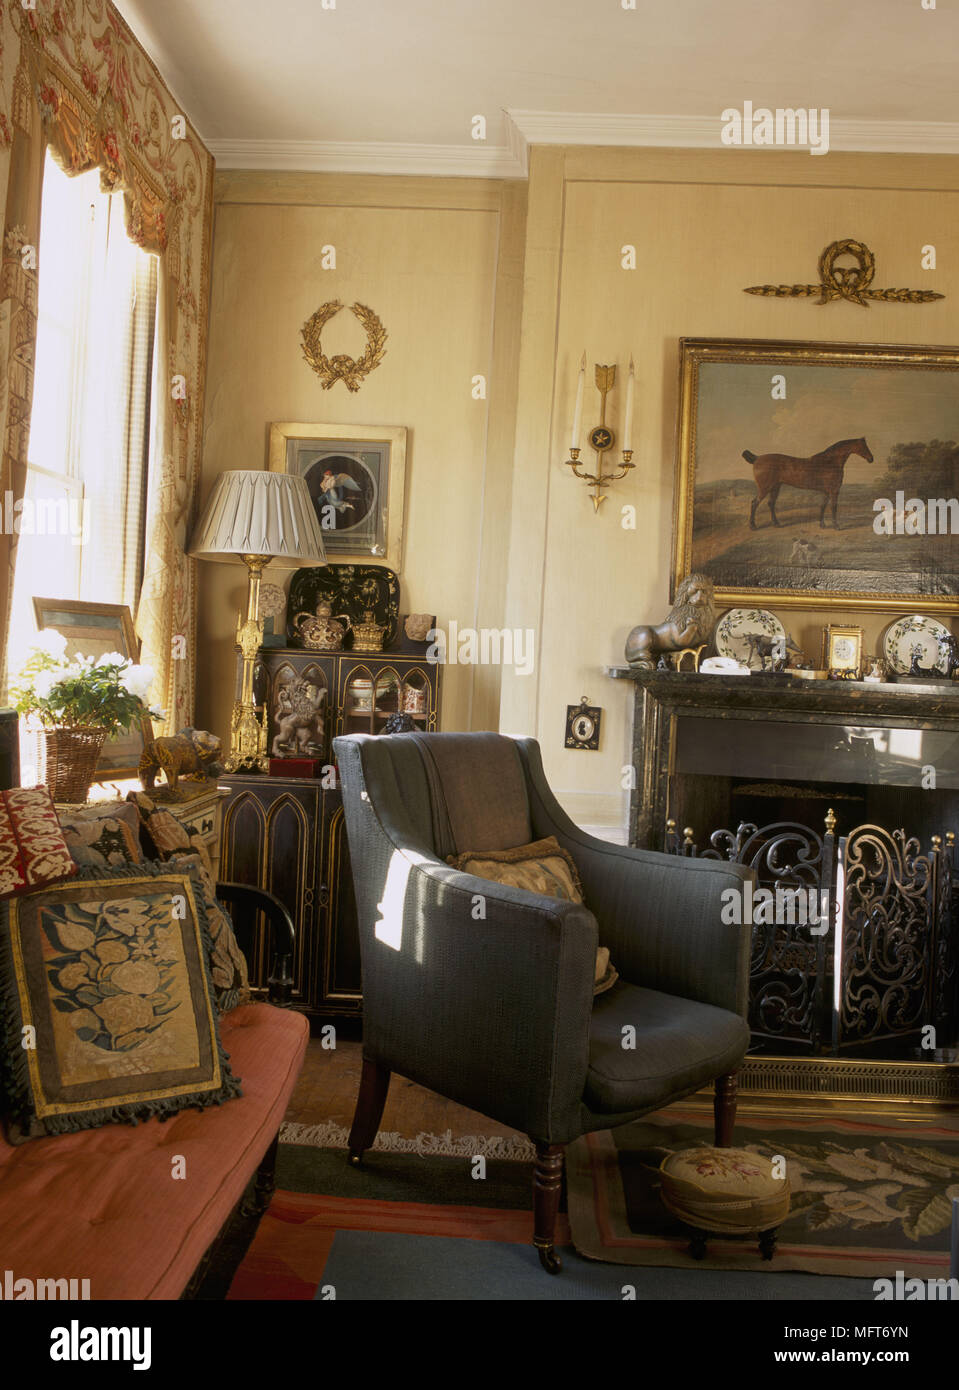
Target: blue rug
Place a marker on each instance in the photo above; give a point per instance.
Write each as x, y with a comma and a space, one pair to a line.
374, 1265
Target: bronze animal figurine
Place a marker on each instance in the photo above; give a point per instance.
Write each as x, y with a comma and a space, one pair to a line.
822, 472
775, 650
192, 753
299, 720
690, 624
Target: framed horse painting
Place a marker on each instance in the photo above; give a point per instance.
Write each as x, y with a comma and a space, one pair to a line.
819, 474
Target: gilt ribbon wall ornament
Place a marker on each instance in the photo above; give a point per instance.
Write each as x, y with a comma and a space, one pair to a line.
847, 282
343, 368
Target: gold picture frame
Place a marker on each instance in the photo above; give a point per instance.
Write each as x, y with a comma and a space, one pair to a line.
744, 402
93, 629
362, 516
842, 651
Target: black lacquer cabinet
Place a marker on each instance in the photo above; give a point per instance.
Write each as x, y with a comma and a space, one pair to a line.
287, 834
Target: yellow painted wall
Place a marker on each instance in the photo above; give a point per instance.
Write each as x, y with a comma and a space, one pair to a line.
440, 262
704, 224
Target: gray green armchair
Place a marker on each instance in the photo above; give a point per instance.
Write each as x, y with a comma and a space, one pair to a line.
496, 1011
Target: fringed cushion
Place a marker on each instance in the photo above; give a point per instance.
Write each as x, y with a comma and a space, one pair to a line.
731, 1191
32, 848
540, 867
106, 1003
228, 969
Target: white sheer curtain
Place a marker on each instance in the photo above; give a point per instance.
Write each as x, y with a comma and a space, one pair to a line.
89, 435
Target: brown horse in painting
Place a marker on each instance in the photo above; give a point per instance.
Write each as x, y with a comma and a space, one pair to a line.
821, 473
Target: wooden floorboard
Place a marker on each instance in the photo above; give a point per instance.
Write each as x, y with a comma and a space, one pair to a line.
330, 1080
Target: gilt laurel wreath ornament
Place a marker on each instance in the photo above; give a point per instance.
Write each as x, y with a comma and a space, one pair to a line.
341, 367
852, 283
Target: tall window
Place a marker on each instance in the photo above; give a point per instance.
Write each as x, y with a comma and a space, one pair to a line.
83, 518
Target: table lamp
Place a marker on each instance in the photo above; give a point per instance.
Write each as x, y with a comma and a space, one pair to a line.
256, 516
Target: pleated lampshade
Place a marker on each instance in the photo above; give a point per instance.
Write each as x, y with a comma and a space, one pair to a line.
252, 512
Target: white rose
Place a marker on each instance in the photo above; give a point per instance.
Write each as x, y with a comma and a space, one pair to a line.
44, 683
138, 680
52, 642
113, 659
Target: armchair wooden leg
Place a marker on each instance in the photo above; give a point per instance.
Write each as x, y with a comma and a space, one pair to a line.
547, 1185
724, 1108
374, 1084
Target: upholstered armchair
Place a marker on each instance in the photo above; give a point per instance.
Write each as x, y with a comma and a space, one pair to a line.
484, 992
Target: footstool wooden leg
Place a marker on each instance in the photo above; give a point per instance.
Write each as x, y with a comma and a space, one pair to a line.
767, 1243
697, 1245
547, 1185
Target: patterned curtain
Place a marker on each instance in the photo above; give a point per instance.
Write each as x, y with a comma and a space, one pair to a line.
73, 77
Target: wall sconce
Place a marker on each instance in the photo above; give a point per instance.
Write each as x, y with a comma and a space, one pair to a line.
601, 438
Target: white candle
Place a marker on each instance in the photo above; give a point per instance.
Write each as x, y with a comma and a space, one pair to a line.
954, 1253
628, 436
578, 412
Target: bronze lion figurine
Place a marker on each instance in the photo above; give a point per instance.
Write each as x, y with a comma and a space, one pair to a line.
690, 624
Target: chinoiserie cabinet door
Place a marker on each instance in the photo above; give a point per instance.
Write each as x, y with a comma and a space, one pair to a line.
271, 839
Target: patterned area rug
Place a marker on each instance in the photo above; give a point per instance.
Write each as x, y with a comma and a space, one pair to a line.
869, 1197
408, 1227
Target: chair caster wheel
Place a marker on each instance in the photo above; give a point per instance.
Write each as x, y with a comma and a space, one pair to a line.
355, 1160
549, 1259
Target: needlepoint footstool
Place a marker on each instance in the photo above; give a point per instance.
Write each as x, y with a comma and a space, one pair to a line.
725, 1192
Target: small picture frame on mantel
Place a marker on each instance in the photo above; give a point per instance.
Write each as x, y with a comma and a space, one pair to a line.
842, 651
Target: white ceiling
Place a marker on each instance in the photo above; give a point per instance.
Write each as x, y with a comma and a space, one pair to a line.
392, 85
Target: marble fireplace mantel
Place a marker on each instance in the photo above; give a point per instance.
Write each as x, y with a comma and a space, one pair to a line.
666, 698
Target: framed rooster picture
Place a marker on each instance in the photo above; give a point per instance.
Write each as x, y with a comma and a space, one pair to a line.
819, 474
356, 475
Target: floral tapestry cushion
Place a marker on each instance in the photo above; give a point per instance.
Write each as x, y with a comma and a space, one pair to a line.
102, 835
32, 848
540, 867
231, 982
106, 1004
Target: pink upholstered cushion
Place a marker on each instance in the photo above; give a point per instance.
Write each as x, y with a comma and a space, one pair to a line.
103, 1204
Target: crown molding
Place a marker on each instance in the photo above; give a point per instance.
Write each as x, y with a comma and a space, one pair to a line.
703, 132
526, 128
477, 161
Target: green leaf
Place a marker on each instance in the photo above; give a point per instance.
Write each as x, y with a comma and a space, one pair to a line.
88, 996
924, 1215
64, 1006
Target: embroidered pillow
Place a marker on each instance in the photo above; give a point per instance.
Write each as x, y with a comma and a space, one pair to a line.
32, 848
541, 867
109, 976
102, 835
231, 983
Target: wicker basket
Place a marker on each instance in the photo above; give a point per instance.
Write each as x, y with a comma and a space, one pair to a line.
67, 759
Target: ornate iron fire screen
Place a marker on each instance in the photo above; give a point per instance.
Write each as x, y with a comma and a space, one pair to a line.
861, 948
